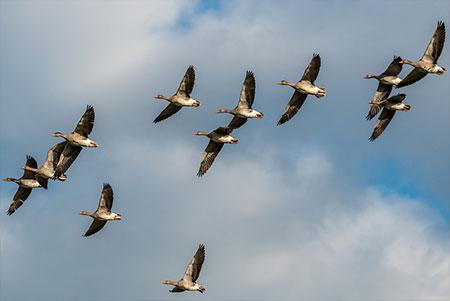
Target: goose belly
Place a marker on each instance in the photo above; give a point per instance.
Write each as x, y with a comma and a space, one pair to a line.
29, 183
308, 89
398, 106
390, 80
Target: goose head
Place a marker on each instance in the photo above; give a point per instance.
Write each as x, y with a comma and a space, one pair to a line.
84, 212
160, 96
57, 134
283, 82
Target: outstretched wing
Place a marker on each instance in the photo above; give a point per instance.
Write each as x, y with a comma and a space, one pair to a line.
19, 198
312, 70
209, 155
86, 123
394, 67
195, 266
436, 44
292, 107
96, 226
247, 95
237, 122
31, 162
68, 156
53, 155
106, 199
187, 83
223, 130
397, 98
412, 77
382, 93
167, 112
383, 121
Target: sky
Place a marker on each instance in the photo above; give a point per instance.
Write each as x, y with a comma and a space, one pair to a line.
310, 210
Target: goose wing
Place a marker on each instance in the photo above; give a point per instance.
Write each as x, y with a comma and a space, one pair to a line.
19, 198
53, 156
86, 123
247, 95
106, 199
312, 70
397, 98
96, 226
435, 45
237, 122
167, 112
195, 266
292, 107
187, 83
223, 130
31, 162
412, 77
209, 155
382, 93
383, 121
394, 67
67, 157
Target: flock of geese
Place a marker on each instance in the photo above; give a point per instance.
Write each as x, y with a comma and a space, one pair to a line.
62, 155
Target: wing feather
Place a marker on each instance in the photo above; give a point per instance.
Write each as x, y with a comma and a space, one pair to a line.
195, 265
96, 226
86, 123
312, 70
209, 155
19, 198
187, 83
292, 107
67, 157
412, 77
170, 110
383, 121
247, 95
434, 48
106, 199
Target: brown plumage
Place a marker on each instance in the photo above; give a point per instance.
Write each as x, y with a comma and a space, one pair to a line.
305, 83
390, 105
383, 89
428, 61
25, 183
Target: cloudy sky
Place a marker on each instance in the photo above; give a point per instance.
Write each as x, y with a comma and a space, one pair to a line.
310, 210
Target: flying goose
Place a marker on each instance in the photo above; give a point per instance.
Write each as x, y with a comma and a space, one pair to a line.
217, 139
26, 183
302, 88
390, 105
428, 61
385, 82
181, 98
244, 110
47, 170
103, 212
188, 282
75, 141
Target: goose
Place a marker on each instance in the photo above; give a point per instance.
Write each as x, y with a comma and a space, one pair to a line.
75, 141
188, 282
217, 139
47, 170
385, 82
103, 212
244, 110
26, 183
390, 105
181, 98
302, 88
428, 61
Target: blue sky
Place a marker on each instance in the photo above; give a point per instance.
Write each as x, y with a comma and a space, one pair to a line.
329, 214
